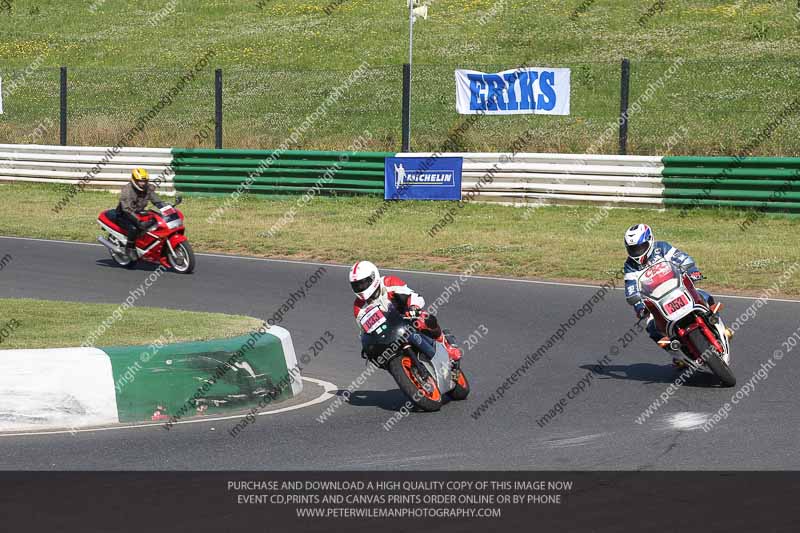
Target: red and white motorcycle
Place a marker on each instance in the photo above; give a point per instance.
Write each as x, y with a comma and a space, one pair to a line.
163, 243
695, 330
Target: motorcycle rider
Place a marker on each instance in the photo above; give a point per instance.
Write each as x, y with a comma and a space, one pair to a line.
369, 287
643, 250
134, 197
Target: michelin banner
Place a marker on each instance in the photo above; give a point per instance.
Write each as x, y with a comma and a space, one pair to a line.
528, 90
423, 178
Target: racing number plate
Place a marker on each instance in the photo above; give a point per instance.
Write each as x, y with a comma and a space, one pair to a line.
676, 304
372, 319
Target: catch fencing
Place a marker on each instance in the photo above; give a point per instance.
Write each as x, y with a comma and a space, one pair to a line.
713, 100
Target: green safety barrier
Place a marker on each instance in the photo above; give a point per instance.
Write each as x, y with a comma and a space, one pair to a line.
764, 183
204, 171
179, 380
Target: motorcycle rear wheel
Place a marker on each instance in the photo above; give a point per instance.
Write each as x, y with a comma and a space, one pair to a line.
123, 260
421, 390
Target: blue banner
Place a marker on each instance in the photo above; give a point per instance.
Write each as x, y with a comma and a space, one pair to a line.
423, 178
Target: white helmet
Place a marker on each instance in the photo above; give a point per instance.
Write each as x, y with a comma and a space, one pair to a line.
365, 279
639, 243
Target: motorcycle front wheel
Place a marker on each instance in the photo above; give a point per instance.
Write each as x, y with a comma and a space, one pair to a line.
713, 359
182, 261
418, 385
721, 369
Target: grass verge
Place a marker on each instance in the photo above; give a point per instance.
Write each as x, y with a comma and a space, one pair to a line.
52, 324
281, 58
565, 243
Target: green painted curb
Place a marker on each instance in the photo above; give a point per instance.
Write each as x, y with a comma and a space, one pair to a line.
174, 381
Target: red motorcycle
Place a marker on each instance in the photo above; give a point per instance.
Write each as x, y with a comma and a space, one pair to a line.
695, 331
163, 241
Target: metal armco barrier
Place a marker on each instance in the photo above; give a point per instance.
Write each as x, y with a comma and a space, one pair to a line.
97, 167
527, 178
765, 183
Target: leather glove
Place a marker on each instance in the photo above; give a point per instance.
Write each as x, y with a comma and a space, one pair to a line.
696, 276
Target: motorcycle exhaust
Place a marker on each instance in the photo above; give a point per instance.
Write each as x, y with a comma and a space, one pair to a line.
110, 245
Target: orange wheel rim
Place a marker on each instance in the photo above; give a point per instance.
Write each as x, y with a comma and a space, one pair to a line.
432, 395
462, 380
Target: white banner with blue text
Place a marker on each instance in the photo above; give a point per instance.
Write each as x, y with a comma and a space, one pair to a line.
527, 90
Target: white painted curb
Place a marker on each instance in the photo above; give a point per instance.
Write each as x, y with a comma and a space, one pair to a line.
64, 387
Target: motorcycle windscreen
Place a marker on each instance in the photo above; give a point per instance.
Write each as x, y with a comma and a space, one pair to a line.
659, 279
382, 332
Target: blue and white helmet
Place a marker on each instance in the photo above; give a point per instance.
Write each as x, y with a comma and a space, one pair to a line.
639, 243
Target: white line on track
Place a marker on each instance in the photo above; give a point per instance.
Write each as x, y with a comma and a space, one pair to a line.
327, 394
445, 274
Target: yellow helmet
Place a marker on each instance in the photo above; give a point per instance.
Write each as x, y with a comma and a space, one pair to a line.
139, 178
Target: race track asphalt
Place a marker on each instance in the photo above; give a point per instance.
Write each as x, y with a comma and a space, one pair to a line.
597, 430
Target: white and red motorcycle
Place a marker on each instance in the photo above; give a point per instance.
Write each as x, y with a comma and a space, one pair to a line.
694, 330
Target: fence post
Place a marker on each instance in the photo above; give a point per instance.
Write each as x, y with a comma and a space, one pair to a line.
624, 91
218, 108
406, 107
63, 121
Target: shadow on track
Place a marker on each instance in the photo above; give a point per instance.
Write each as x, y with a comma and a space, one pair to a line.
652, 373
388, 400
144, 266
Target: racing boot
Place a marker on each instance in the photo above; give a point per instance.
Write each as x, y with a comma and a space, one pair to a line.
679, 364
130, 250
448, 341
453, 351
